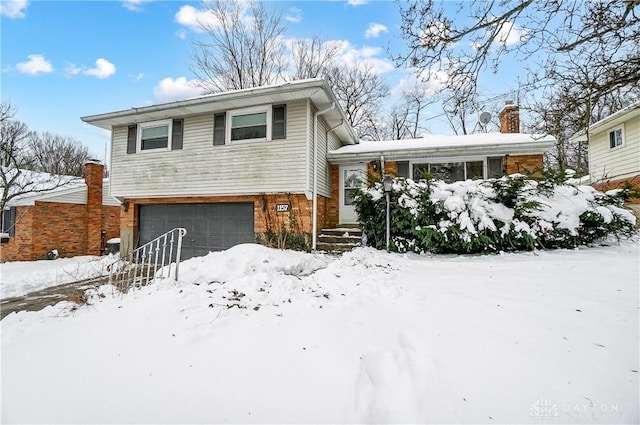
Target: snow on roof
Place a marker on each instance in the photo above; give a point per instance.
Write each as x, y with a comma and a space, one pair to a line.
487, 142
35, 184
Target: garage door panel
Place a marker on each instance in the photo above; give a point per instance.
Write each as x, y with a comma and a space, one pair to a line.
210, 227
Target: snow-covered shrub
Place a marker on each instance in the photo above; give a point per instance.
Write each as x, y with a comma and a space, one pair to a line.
510, 213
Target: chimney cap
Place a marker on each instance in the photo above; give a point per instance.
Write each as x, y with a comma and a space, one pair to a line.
93, 161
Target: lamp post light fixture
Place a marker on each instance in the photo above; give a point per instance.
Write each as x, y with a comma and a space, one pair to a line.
387, 183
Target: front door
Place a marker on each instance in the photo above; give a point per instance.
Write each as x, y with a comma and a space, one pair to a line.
352, 178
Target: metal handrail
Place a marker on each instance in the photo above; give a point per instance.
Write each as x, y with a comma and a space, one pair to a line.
141, 266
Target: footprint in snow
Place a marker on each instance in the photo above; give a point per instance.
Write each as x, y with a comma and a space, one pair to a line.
399, 384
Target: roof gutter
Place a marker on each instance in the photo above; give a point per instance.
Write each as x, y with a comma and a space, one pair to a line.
400, 154
314, 225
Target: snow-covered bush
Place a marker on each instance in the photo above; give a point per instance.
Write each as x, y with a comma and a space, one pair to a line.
510, 213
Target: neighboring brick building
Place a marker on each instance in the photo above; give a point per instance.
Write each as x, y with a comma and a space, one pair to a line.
75, 218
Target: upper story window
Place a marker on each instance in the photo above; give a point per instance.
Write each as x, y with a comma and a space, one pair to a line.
248, 125
251, 126
155, 136
616, 137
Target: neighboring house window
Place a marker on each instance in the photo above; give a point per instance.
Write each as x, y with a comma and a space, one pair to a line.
8, 221
155, 135
449, 171
259, 124
616, 137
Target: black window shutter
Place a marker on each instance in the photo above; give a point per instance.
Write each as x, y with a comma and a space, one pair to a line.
132, 138
176, 134
279, 124
219, 121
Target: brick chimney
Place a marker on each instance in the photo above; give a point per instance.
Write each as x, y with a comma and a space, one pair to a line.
510, 118
93, 174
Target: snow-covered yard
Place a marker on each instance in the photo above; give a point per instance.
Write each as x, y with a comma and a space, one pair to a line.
21, 277
254, 335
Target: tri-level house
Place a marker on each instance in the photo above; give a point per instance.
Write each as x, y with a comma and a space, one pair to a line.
228, 166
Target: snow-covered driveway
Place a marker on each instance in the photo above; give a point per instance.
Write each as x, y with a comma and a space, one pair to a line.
253, 335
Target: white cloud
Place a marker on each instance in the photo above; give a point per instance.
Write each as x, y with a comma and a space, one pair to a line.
294, 15
137, 77
13, 8
72, 70
349, 55
357, 2
182, 34
180, 88
103, 69
415, 83
134, 5
375, 30
36, 64
193, 18
510, 34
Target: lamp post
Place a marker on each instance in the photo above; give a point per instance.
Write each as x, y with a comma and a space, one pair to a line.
387, 182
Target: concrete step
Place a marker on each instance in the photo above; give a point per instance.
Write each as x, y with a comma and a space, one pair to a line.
342, 231
339, 239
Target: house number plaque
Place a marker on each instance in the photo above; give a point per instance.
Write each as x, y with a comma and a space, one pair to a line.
282, 207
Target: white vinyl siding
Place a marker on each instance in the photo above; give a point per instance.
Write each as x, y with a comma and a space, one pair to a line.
622, 161
201, 168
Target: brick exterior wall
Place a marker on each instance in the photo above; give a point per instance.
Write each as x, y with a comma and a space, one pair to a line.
523, 164
19, 246
58, 226
616, 184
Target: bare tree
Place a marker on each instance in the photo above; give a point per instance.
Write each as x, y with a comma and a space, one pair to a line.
16, 179
312, 57
243, 46
14, 137
360, 92
549, 31
56, 154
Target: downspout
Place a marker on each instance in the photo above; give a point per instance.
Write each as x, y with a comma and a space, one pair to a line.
314, 219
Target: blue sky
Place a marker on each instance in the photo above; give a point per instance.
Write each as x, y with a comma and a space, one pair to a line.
64, 60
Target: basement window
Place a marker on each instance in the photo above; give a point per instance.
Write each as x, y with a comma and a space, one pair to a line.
616, 137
